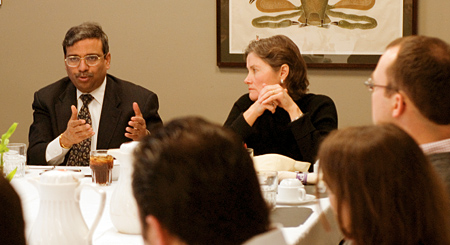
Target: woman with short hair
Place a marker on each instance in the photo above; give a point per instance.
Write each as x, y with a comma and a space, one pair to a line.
278, 115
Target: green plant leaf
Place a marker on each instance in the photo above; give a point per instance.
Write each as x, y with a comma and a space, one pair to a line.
8, 133
4, 148
11, 174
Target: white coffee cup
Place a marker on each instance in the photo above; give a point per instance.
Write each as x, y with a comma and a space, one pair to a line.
291, 190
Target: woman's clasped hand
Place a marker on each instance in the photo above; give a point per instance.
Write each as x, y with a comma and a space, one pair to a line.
273, 96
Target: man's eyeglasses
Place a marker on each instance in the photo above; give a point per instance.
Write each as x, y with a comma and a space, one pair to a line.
370, 85
91, 60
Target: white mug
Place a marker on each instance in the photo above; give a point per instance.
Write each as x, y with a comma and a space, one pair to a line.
291, 190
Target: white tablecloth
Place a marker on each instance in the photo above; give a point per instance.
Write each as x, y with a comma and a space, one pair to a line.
310, 232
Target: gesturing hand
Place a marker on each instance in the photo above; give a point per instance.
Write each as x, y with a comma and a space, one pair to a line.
138, 127
77, 130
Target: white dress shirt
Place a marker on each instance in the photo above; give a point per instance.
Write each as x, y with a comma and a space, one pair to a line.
54, 153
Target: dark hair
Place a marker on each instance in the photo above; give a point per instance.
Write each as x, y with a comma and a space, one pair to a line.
86, 30
12, 226
391, 190
422, 71
278, 50
198, 180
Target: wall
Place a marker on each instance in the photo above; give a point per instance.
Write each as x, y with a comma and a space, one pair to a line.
167, 46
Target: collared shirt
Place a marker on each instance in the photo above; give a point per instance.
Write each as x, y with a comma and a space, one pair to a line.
436, 147
54, 153
95, 109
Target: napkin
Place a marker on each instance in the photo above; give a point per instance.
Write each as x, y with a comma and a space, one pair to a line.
277, 162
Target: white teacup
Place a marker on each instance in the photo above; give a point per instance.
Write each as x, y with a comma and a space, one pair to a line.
291, 190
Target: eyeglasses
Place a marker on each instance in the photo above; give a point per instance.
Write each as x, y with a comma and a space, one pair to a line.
91, 60
370, 85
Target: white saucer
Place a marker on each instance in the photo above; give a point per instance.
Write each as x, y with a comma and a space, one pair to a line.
308, 198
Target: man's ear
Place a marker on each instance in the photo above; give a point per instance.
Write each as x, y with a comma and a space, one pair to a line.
156, 234
108, 60
399, 104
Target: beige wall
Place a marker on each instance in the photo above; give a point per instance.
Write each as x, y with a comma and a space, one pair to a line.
167, 46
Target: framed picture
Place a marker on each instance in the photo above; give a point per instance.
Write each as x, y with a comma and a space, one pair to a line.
329, 33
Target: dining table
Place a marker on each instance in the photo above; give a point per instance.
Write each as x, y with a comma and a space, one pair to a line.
308, 228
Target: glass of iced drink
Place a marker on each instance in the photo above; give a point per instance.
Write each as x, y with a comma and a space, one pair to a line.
16, 157
101, 164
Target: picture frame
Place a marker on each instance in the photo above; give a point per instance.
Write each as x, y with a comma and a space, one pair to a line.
364, 56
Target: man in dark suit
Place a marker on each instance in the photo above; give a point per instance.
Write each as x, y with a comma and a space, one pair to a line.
119, 111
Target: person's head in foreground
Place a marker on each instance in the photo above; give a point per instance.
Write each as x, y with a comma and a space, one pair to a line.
12, 226
382, 188
195, 183
411, 87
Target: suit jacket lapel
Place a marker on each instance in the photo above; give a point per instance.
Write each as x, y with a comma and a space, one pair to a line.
62, 107
110, 115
